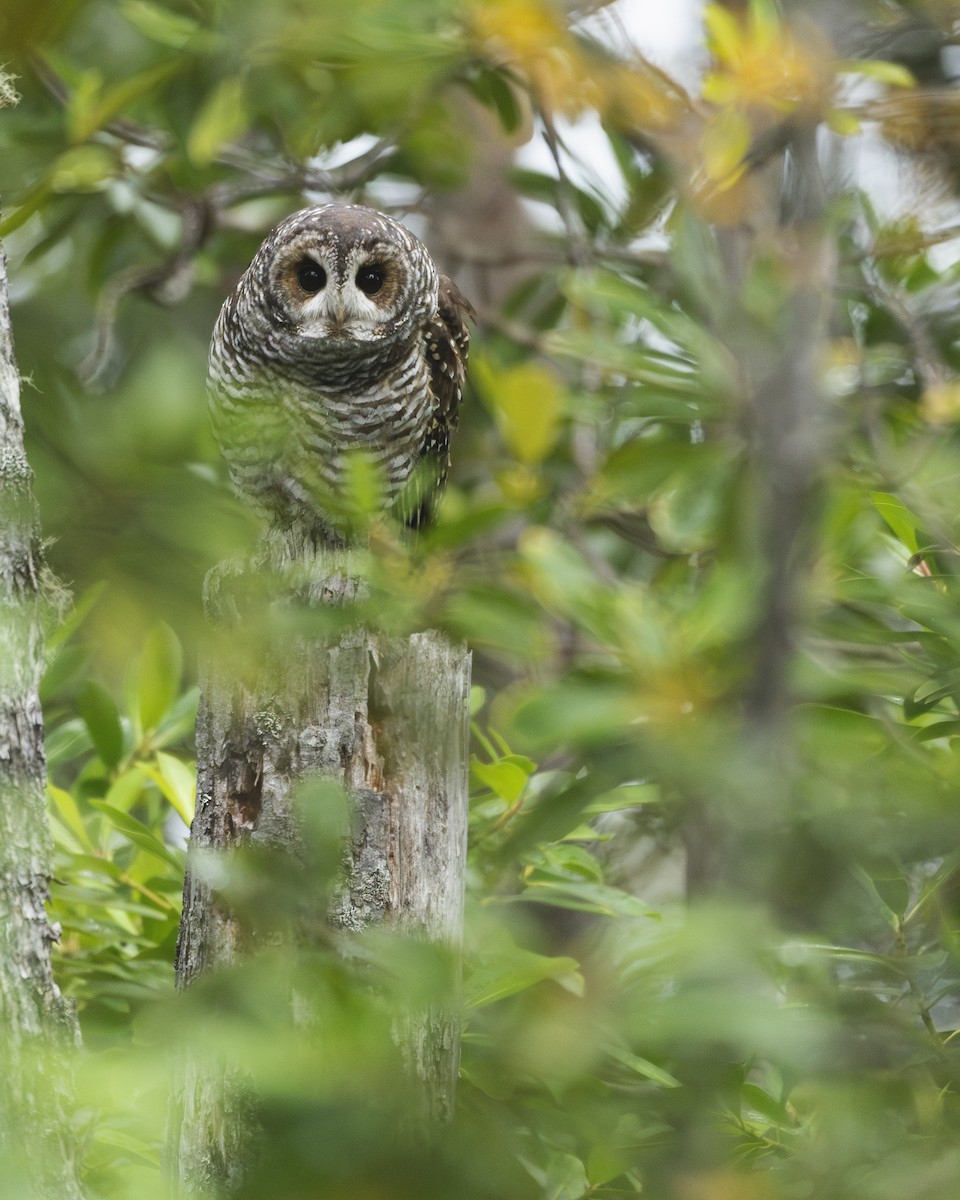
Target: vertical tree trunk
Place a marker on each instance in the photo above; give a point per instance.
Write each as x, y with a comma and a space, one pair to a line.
786, 422
386, 718
36, 1024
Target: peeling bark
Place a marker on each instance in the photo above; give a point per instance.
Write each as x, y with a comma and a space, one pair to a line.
36, 1024
387, 719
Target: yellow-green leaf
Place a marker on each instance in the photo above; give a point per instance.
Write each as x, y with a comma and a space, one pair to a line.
844, 122
900, 519
82, 169
92, 105
505, 778
160, 669
528, 403
724, 34
177, 781
158, 24
879, 69
68, 810
222, 118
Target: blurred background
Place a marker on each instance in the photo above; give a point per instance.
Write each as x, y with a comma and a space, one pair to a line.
701, 533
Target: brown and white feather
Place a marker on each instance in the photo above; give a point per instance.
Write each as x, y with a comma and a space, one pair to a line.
341, 338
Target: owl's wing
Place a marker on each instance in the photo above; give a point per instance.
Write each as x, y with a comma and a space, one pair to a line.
446, 348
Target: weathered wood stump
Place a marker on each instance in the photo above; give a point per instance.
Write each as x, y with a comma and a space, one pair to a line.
386, 718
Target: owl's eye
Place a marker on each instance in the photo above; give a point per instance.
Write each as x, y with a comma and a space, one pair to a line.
370, 280
311, 277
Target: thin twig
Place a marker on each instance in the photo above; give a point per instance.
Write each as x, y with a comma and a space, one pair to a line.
931, 366
123, 129
579, 251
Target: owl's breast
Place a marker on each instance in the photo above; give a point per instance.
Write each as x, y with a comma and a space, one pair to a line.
384, 419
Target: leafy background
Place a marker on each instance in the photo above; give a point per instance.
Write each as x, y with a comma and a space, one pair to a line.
711, 946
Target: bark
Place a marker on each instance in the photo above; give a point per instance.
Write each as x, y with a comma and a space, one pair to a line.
36, 1025
384, 717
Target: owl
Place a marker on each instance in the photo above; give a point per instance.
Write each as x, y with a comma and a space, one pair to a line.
336, 372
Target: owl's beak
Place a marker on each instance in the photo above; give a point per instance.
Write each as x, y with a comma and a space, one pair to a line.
338, 316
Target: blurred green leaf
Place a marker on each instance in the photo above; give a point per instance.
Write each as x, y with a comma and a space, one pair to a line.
93, 105
82, 169
898, 517
177, 782
161, 666
102, 718
159, 24
521, 970
137, 832
528, 402
70, 812
642, 1066
493, 90
222, 118
507, 777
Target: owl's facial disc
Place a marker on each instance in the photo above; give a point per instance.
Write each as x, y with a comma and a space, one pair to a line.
352, 293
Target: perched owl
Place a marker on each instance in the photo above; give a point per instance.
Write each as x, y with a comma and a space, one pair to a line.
340, 357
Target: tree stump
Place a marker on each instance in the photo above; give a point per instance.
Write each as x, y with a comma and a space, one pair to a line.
384, 717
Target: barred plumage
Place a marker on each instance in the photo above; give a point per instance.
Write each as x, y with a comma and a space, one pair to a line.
341, 345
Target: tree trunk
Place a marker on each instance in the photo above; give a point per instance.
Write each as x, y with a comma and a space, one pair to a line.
36, 1024
384, 717
747, 844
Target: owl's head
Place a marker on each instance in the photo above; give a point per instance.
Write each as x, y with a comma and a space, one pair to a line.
342, 273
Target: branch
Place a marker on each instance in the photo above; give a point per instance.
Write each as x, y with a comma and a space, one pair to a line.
579, 253
932, 370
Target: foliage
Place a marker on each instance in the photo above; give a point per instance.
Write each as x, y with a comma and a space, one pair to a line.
701, 534
120, 803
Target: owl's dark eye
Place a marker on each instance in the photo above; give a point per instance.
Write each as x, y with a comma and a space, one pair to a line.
370, 280
311, 276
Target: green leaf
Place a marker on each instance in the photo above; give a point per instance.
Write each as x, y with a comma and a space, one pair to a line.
642, 1066
67, 808
764, 1104
161, 665
628, 795
528, 401
94, 864
82, 169
93, 106
841, 732
177, 781
518, 971
492, 89
68, 741
506, 778
127, 789
900, 519
566, 1178
138, 833
880, 894
180, 720
102, 718
222, 118
159, 24
598, 898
